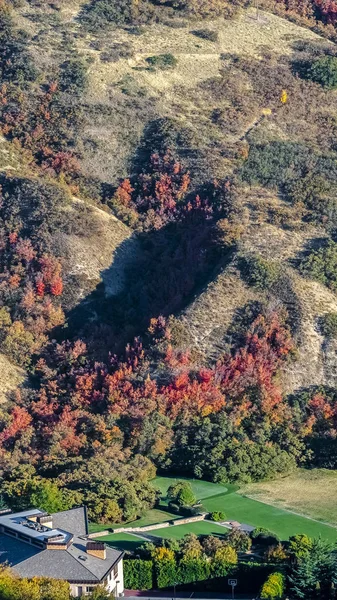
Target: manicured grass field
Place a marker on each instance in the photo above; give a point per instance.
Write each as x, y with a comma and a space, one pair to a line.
199, 528
216, 497
316, 490
258, 514
152, 516
311, 492
122, 541
202, 489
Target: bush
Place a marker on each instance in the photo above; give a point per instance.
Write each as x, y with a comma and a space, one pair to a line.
276, 164
74, 77
138, 574
240, 540
329, 325
274, 587
259, 272
323, 70
217, 516
260, 535
207, 34
162, 61
181, 494
190, 511
16, 65
321, 265
99, 14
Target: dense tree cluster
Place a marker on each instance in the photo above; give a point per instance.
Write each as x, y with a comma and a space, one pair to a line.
96, 415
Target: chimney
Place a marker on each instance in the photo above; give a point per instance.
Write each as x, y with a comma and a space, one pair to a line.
97, 549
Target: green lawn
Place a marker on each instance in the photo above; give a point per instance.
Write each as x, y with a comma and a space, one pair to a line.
199, 528
152, 516
258, 514
217, 497
122, 541
202, 489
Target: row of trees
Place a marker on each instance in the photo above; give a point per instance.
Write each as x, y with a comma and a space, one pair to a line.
300, 568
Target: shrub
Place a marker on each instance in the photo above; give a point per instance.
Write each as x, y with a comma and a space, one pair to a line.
16, 65
190, 511
217, 516
323, 70
328, 323
181, 493
223, 561
239, 540
300, 545
99, 14
321, 265
259, 272
274, 587
263, 536
138, 574
276, 554
162, 61
278, 163
74, 76
207, 34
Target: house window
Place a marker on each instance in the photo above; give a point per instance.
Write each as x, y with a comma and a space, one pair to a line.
90, 588
115, 571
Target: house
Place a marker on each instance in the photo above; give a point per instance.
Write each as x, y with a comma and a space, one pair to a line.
37, 544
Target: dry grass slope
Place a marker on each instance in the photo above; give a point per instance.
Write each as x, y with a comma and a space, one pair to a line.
312, 493
11, 377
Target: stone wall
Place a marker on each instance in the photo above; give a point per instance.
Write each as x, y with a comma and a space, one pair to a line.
160, 525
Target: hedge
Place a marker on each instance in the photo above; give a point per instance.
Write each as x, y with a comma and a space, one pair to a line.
138, 574
148, 574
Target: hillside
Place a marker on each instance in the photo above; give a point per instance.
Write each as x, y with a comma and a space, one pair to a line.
168, 255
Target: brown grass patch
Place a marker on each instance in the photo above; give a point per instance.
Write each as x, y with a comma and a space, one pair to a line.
311, 493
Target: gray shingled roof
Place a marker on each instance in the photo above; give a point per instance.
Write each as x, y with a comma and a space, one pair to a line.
73, 520
73, 564
28, 561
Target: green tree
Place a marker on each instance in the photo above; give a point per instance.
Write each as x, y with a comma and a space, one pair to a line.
274, 587
46, 495
225, 558
329, 325
323, 70
181, 493
211, 544
239, 540
217, 515
300, 545
53, 589
312, 574
190, 546
259, 272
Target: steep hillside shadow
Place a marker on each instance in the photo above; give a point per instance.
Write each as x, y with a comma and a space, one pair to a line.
161, 277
